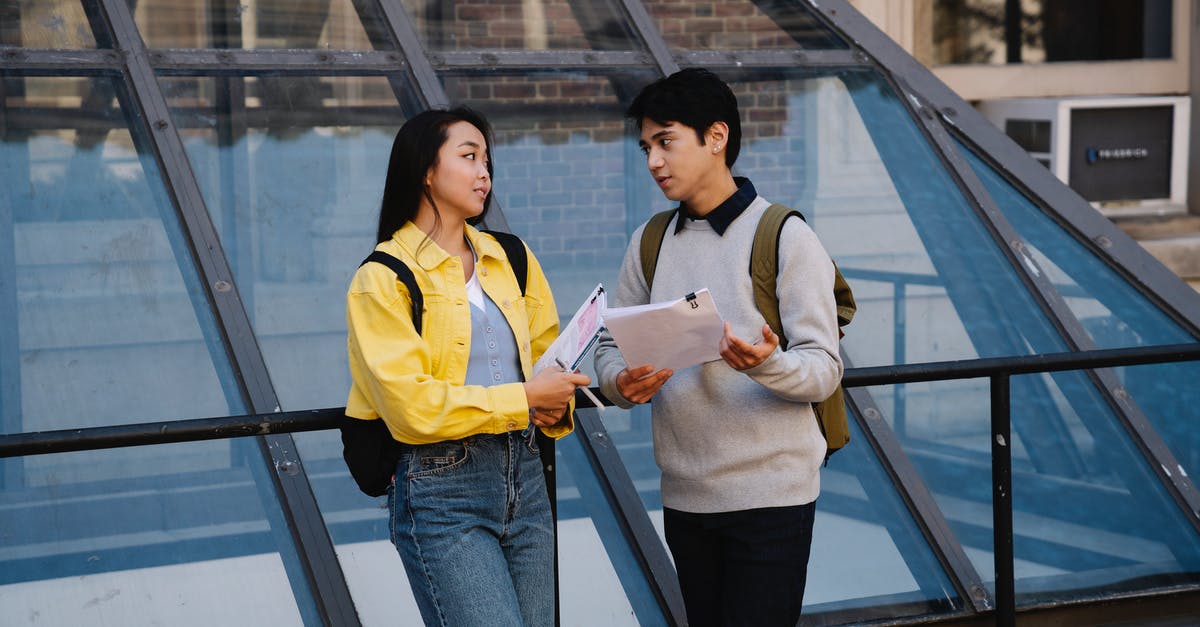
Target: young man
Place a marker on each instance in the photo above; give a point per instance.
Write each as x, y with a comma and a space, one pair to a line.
738, 444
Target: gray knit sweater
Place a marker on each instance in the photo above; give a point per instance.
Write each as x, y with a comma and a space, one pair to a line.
728, 440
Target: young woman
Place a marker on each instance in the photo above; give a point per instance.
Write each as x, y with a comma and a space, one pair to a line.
469, 511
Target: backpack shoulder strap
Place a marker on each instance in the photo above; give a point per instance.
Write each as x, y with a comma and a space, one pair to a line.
764, 265
846, 307
652, 237
514, 249
405, 275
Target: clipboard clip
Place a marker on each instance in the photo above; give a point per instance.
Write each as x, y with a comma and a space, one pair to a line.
691, 299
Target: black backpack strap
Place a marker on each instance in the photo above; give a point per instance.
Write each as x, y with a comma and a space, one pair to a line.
405, 275
514, 249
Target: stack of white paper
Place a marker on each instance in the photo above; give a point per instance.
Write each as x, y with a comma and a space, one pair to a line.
673, 334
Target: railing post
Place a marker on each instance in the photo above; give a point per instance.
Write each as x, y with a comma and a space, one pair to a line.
1002, 510
899, 354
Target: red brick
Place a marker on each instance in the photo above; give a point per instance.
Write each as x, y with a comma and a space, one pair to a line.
514, 91
727, 9
556, 12
735, 40
476, 13
765, 115
774, 40
580, 90
670, 27
705, 25
506, 28
679, 11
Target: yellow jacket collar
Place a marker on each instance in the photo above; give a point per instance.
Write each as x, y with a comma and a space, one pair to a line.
429, 255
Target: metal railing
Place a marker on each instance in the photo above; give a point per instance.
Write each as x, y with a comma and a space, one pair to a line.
999, 370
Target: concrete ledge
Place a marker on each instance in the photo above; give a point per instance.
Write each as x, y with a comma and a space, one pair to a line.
1180, 254
1173, 240
1159, 228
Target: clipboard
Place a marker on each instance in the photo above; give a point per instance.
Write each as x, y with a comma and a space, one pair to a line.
577, 337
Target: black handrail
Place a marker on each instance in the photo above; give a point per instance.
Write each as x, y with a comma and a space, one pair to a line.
998, 369
195, 429
1026, 364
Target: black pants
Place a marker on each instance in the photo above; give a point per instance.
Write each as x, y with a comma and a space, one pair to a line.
742, 568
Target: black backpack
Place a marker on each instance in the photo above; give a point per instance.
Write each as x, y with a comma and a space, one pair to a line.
370, 452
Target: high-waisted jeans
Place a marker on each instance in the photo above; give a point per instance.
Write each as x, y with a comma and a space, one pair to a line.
471, 521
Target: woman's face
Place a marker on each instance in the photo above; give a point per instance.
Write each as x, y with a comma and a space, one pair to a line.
459, 181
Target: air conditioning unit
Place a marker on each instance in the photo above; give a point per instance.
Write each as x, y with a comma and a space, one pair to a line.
1125, 155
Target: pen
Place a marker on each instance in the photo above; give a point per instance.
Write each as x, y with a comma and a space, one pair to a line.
586, 391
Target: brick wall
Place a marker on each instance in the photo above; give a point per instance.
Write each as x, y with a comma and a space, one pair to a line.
773, 144
716, 24
564, 168
510, 24
560, 166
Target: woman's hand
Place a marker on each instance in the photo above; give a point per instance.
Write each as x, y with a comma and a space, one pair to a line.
549, 391
543, 419
639, 385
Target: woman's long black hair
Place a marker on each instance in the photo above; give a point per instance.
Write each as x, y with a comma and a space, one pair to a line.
414, 152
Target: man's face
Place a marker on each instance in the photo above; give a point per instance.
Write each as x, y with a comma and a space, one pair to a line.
679, 163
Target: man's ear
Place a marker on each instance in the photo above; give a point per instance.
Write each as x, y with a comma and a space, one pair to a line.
716, 135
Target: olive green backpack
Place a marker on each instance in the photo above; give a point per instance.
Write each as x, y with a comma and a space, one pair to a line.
764, 267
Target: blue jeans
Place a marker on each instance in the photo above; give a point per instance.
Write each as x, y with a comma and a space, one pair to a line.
471, 521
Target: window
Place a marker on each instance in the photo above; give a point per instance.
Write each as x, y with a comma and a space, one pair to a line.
1048, 31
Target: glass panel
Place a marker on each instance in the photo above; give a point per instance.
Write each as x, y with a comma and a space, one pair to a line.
740, 25
45, 24
1114, 314
194, 538
110, 325
867, 550
261, 24
522, 25
112, 320
930, 283
292, 172
978, 31
600, 580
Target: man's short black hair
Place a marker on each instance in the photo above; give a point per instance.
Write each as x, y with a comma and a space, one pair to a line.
694, 97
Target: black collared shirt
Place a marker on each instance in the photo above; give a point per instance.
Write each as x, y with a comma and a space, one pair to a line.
725, 213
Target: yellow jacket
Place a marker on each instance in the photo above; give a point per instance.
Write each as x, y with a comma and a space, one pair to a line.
415, 383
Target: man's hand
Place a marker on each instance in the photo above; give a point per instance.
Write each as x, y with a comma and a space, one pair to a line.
742, 355
641, 383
